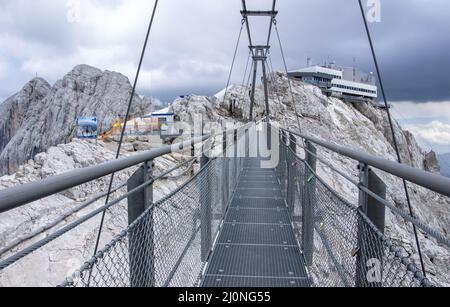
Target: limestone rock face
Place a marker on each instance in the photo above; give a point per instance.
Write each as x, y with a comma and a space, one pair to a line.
14, 110
47, 117
431, 163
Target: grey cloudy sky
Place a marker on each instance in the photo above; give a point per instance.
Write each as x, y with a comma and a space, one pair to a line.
192, 43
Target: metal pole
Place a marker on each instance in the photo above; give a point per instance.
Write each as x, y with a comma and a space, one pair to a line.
236, 164
266, 88
309, 204
206, 210
192, 151
291, 177
283, 162
247, 143
252, 95
141, 241
269, 134
293, 143
369, 261
225, 174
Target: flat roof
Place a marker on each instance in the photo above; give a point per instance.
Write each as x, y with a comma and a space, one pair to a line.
354, 84
319, 69
163, 112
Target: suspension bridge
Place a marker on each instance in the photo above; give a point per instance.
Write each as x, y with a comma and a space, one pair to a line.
256, 214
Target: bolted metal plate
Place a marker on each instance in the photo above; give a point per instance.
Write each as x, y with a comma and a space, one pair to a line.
257, 234
258, 192
257, 261
263, 203
254, 282
257, 216
269, 185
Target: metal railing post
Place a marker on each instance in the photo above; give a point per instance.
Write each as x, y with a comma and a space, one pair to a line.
269, 135
192, 152
309, 204
236, 163
225, 174
247, 143
283, 161
291, 177
369, 258
141, 241
205, 206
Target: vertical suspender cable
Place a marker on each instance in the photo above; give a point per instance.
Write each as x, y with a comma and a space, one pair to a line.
272, 78
397, 149
245, 85
125, 122
234, 60
287, 76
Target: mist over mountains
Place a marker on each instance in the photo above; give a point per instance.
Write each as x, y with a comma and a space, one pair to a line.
444, 160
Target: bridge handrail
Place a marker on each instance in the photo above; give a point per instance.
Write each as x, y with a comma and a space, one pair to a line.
23, 194
434, 182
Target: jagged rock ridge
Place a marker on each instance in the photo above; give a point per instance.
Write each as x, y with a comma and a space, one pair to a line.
39, 117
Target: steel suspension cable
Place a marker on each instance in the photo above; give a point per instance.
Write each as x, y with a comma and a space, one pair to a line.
287, 75
248, 86
243, 90
141, 60
396, 147
272, 78
234, 60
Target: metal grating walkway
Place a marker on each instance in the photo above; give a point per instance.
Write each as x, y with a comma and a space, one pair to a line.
256, 246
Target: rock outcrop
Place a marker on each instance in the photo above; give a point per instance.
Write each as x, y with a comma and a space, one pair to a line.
431, 163
14, 110
40, 117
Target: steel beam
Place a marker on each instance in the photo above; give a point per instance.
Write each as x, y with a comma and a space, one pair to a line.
369, 260
259, 13
252, 95
205, 208
271, 22
141, 256
309, 204
244, 8
266, 88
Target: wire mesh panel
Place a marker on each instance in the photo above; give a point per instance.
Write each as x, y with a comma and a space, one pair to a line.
348, 248
163, 246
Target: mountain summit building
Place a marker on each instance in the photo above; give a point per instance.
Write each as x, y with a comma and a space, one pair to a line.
345, 83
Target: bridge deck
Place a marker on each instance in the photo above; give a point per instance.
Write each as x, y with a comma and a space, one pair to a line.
256, 246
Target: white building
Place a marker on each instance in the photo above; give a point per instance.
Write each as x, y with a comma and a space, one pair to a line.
332, 82
166, 120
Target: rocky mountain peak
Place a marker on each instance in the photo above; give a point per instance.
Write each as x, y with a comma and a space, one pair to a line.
40, 116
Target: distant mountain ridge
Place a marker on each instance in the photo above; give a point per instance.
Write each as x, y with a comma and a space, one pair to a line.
444, 160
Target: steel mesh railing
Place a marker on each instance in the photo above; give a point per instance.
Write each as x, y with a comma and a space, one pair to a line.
163, 247
348, 249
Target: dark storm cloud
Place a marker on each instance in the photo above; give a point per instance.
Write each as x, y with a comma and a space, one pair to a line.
412, 42
193, 40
